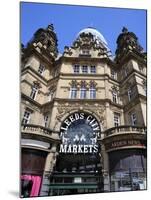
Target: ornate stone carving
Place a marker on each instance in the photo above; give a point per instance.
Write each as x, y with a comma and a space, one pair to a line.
36, 83
67, 50
46, 39
66, 108
127, 42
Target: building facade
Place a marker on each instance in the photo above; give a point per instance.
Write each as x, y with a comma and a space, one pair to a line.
83, 115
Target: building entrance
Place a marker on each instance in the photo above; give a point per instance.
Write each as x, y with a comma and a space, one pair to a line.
78, 169
76, 174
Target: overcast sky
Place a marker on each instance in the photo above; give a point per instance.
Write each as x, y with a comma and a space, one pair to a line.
68, 20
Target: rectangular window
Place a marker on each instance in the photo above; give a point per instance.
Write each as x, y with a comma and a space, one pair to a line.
85, 52
26, 117
41, 69
34, 92
113, 74
133, 119
83, 93
114, 97
73, 93
85, 69
46, 120
93, 69
76, 69
50, 96
116, 119
129, 92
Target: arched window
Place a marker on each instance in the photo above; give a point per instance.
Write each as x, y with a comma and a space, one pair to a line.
51, 94
92, 91
114, 96
73, 92
83, 92
34, 91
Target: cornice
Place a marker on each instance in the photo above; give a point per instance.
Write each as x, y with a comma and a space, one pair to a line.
24, 70
129, 54
35, 103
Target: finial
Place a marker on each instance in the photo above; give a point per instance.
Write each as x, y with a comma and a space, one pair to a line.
50, 27
124, 30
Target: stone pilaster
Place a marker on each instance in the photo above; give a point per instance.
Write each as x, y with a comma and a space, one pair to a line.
50, 162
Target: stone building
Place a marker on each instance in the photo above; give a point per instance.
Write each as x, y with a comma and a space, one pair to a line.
83, 114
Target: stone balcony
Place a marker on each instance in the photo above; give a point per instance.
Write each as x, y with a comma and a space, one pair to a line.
40, 132
125, 130
122, 137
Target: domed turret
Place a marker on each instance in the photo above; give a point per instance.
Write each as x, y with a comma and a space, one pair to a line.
96, 34
89, 42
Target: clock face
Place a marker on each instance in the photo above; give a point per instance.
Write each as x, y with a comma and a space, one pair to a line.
80, 129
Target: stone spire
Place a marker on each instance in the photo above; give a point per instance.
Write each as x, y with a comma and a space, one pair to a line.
46, 40
127, 42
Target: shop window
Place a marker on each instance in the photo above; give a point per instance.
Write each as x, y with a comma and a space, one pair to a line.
76, 69
116, 119
41, 69
26, 117
34, 91
93, 69
26, 186
127, 170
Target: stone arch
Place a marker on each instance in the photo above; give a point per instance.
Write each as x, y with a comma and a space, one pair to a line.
72, 111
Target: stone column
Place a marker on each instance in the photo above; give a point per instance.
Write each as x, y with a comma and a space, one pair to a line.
50, 162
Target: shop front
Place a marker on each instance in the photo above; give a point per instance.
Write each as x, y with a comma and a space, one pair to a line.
126, 150
127, 170
32, 165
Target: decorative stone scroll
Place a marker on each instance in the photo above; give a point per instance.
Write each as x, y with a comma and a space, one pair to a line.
66, 108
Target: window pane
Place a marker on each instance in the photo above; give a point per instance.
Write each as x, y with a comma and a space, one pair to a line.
41, 69
92, 93
93, 69
83, 93
114, 94
34, 92
116, 119
76, 69
73, 93
26, 117
84, 69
